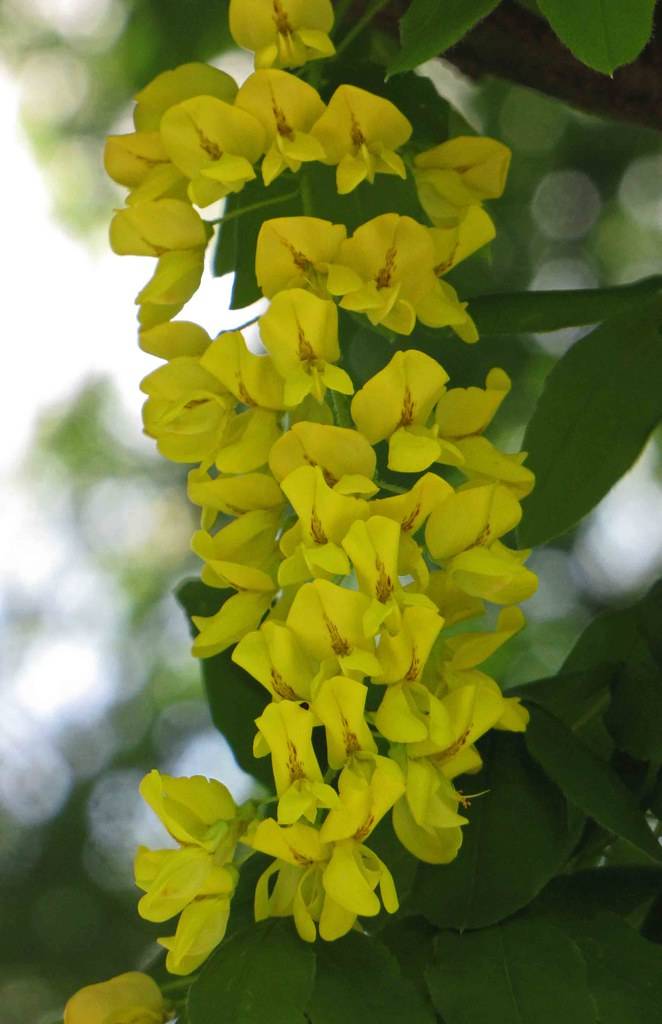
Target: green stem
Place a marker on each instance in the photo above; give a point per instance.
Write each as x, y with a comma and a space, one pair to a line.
253, 206
364, 20
393, 488
306, 195
177, 986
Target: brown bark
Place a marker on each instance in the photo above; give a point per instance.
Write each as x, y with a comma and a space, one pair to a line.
516, 45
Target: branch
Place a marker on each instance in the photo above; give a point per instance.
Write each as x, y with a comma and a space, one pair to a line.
518, 46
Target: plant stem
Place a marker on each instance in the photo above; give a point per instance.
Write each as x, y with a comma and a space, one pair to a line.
393, 488
253, 206
364, 20
340, 11
177, 986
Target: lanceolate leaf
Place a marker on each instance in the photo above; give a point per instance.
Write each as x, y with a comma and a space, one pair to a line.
520, 972
517, 838
263, 975
602, 33
430, 27
537, 312
598, 407
587, 781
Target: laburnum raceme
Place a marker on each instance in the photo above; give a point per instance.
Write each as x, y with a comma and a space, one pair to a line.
352, 594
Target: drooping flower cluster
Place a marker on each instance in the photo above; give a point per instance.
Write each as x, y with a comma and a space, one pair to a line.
347, 588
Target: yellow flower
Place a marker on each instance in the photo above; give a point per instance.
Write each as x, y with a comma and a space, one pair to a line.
213, 143
131, 998
198, 879
412, 508
232, 495
327, 620
187, 410
339, 704
285, 731
350, 879
139, 160
454, 176
386, 270
454, 244
474, 515
182, 83
273, 655
312, 546
480, 460
295, 252
453, 603
403, 656
300, 332
368, 788
175, 280
201, 927
154, 228
494, 573
425, 820
237, 616
345, 457
167, 341
465, 412
287, 108
252, 379
247, 441
360, 133
396, 404
283, 33
242, 554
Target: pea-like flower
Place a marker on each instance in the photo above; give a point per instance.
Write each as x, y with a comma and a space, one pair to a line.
360, 133
456, 175
296, 252
300, 332
287, 108
197, 879
396, 404
285, 731
154, 228
345, 457
283, 33
426, 819
132, 997
273, 655
386, 270
339, 704
181, 83
328, 620
214, 143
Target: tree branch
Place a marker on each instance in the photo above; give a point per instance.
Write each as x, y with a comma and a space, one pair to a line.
518, 46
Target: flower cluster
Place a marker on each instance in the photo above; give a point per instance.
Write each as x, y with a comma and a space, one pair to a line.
352, 594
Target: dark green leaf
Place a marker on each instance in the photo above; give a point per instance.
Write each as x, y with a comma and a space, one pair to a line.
520, 972
634, 718
235, 698
608, 639
649, 618
430, 27
359, 982
588, 782
602, 33
262, 975
624, 972
537, 312
599, 404
517, 838
410, 940
584, 895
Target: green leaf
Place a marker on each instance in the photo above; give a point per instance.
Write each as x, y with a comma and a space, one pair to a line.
538, 312
624, 972
359, 982
587, 781
520, 972
235, 698
598, 407
430, 27
584, 895
262, 975
601, 33
517, 838
634, 718
410, 939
